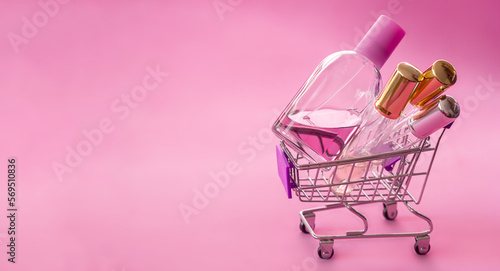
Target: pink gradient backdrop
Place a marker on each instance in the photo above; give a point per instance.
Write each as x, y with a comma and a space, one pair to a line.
228, 74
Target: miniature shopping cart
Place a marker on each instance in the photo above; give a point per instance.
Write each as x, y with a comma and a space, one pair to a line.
396, 176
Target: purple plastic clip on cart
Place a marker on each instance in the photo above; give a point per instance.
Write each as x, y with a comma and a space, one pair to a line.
284, 167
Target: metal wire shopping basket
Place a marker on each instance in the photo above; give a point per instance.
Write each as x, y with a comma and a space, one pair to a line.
388, 178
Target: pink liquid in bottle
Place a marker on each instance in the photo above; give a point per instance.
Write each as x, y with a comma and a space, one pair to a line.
323, 131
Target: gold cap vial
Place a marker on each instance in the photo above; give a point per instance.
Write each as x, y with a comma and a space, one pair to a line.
435, 80
398, 91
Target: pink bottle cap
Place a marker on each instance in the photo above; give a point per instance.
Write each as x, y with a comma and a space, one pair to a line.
380, 41
434, 116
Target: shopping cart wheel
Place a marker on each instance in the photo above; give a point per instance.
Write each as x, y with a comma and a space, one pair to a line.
422, 245
310, 218
303, 227
325, 249
390, 211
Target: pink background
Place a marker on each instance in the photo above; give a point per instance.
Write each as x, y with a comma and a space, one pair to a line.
230, 71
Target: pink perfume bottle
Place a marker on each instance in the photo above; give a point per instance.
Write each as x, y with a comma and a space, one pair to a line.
336, 99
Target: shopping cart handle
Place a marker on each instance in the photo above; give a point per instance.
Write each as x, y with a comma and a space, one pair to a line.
284, 166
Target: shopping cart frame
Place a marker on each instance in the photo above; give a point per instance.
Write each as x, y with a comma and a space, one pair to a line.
389, 182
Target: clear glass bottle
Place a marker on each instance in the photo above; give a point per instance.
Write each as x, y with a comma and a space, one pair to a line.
336, 99
386, 109
407, 85
405, 134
